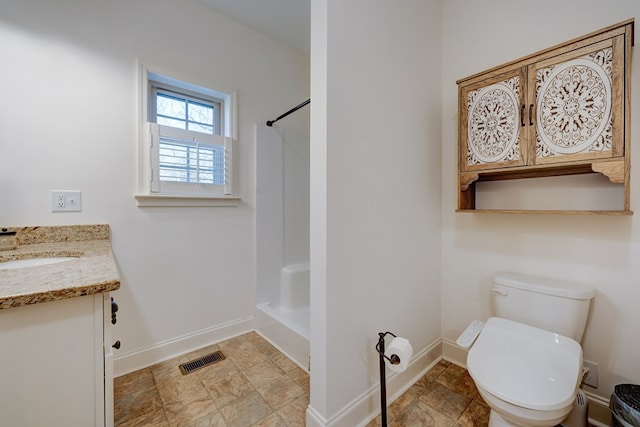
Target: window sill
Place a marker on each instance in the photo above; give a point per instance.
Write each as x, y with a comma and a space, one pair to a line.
179, 200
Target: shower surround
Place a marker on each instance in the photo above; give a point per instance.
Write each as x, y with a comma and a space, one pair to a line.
282, 240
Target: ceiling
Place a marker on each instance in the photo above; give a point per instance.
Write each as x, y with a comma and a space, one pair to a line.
287, 21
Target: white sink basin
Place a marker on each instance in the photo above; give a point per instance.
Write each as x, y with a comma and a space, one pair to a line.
34, 262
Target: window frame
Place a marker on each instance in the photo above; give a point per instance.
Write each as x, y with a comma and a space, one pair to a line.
152, 191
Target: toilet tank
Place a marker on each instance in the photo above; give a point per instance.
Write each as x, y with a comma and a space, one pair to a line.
554, 305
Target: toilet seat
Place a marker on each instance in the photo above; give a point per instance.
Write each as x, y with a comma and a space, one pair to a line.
525, 366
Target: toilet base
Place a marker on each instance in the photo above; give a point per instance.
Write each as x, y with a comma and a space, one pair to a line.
497, 420
518, 416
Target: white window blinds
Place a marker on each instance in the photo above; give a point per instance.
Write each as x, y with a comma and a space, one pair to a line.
184, 161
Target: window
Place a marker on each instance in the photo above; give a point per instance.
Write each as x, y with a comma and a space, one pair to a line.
188, 144
181, 111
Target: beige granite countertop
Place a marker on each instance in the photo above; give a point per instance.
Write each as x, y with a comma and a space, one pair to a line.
93, 272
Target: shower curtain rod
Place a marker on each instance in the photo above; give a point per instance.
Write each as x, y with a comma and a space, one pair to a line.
294, 109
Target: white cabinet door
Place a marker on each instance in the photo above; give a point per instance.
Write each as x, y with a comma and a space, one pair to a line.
51, 370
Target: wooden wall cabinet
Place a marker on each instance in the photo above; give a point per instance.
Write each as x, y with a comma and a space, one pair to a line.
560, 111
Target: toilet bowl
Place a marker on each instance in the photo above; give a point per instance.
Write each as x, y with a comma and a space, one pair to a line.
527, 375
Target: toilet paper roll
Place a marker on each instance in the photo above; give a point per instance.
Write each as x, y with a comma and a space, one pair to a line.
402, 348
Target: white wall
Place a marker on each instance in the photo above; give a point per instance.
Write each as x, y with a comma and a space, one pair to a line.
600, 251
375, 191
69, 121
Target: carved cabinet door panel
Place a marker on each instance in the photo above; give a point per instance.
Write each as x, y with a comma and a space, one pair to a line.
491, 122
576, 104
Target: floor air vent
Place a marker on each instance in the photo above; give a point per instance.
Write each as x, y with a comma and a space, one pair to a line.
201, 362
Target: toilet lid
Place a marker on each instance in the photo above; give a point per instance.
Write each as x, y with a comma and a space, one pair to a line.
525, 366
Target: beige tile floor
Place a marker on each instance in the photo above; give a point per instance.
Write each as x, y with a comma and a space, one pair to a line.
256, 385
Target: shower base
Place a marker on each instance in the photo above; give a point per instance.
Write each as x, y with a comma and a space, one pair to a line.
287, 329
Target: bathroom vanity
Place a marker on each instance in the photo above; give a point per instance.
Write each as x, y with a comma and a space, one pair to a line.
56, 355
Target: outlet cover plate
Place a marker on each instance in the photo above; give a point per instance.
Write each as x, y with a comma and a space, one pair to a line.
591, 377
66, 201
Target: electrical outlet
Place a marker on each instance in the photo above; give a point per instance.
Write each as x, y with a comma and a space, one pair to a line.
591, 377
59, 200
66, 201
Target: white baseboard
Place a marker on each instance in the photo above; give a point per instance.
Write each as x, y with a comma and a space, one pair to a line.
599, 412
314, 419
451, 352
142, 358
359, 411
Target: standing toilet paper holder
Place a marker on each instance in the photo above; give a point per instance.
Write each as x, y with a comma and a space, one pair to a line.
394, 360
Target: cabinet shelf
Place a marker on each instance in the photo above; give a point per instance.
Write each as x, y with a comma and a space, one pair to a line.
549, 212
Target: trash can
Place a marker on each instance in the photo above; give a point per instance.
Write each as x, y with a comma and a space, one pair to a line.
625, 405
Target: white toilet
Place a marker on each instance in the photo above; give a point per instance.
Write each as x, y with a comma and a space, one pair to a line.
527, 361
